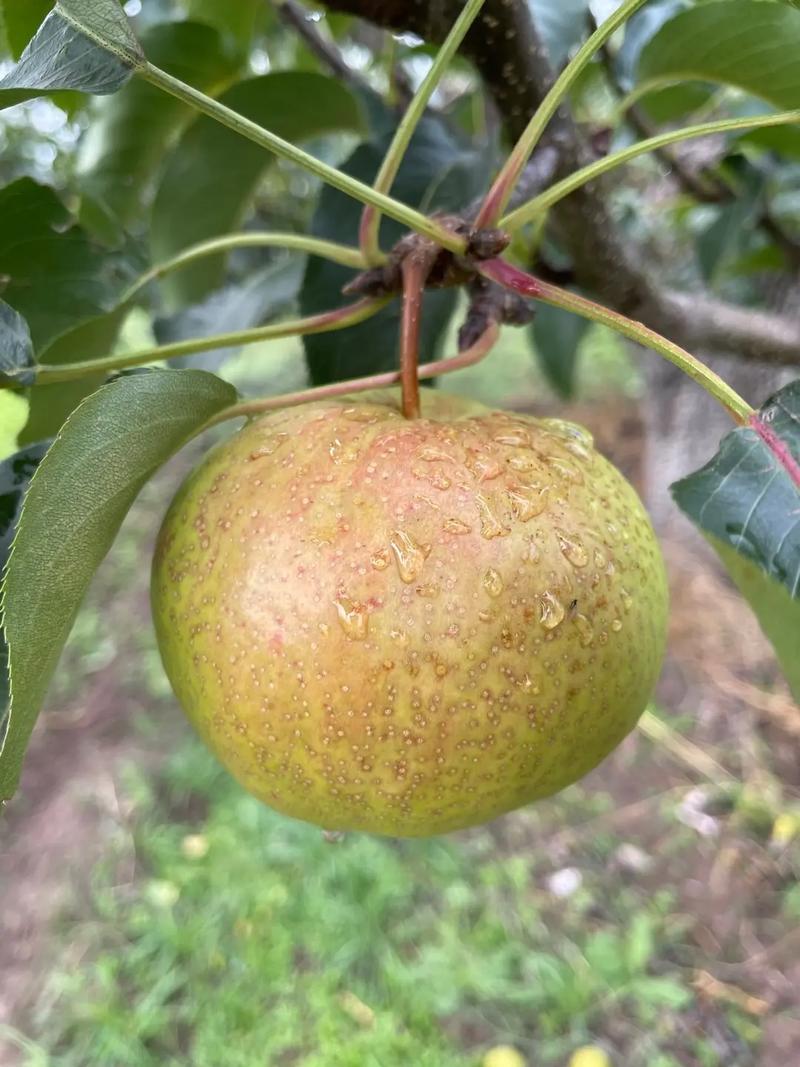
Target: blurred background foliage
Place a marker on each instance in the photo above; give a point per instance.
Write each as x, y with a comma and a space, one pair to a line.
201, 928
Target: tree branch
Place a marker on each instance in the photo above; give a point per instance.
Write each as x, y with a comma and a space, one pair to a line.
294, 15
511, 58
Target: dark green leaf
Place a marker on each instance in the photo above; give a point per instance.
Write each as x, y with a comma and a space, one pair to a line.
563, 25
15, 473
79, 495
777, 612
237, 20
676, 101
250, 302
212, 173
16, 348
750, 44
21, 19
82, 44
748, 499
56, 276
438, 172
557, 335
638, 31
130, 131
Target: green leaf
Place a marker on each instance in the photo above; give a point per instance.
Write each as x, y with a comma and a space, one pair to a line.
130, 131
777, 613
563, 25
749, 44
638, 31
557, 335
15, 473
77, 499
56, 277
21, 20
237, 20
747, 498
663, 992
16, 347
438, 172
213, 173
86, 45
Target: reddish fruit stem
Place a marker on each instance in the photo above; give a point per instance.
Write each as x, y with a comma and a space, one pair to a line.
511, 277
415, 270
467, 358
777, 447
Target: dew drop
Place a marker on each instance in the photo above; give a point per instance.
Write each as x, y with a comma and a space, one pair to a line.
492, 582
429, 591
437, 478
528, 501
441, 670
551, 610
585, 631
518, 438
627, 600
566, 471
522, 463
353, 618
600, 560
269, 445
433, 455
409, 556
572, 549
490, 524
456, 526
380, 561
616, 626
483, 467
485, 616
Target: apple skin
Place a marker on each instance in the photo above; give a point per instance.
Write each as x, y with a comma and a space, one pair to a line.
408, 627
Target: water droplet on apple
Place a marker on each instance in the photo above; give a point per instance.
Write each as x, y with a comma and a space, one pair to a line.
585, 630
551, 610
572, 549
353, 617
627, 600
491, 526
492, 582
269, 445
456, 526
616, 626
408, 554
528, 501
380, 561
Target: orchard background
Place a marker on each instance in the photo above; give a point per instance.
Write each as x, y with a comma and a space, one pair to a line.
153, 913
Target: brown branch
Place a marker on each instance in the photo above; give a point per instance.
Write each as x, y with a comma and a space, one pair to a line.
507, 51
415, 269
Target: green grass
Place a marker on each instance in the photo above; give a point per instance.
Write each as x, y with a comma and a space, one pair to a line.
246, 938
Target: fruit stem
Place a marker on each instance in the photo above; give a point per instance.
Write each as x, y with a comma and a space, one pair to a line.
296, 242
498, 270
415, 270
498, 196
539, 204
402, 213
250, 408
371, 216
322, 323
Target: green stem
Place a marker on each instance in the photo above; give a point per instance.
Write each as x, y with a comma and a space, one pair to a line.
371, 218
498, 196
328, 320
528, 211
414, 220
348, 257
517, 280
